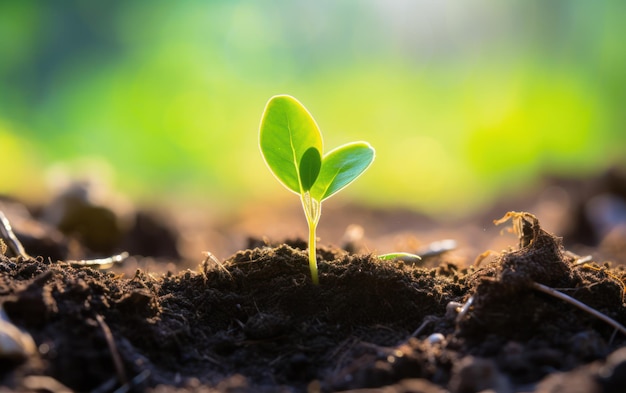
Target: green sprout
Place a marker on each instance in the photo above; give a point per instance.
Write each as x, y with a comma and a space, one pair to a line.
291, 144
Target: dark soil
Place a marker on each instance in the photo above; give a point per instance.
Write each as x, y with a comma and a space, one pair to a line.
255, 322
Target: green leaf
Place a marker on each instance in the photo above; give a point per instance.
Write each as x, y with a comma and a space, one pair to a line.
286, 133
310, 165
341, 167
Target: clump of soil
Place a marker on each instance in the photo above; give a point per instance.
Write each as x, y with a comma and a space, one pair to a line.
256, 323
528, 333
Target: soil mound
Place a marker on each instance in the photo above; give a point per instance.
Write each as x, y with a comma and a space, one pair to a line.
256, 323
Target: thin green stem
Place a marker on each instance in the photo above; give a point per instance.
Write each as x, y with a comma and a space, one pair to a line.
312, 211
313, 253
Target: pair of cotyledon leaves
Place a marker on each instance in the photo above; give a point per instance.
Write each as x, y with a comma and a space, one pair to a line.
291, 144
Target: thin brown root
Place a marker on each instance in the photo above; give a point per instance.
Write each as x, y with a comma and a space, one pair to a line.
209, 257
609, 274
115, 355
580, 305
482, 256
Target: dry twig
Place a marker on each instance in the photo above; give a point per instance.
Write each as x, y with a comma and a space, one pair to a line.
7, 234
115, 355
580, 305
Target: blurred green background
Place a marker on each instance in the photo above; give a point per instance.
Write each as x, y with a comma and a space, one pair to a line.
463, 101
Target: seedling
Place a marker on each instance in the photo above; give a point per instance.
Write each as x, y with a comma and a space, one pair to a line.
291, 144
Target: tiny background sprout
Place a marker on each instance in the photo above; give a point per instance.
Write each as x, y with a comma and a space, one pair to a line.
292, 147
405, 256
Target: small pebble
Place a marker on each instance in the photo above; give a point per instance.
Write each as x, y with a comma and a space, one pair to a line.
436, 338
